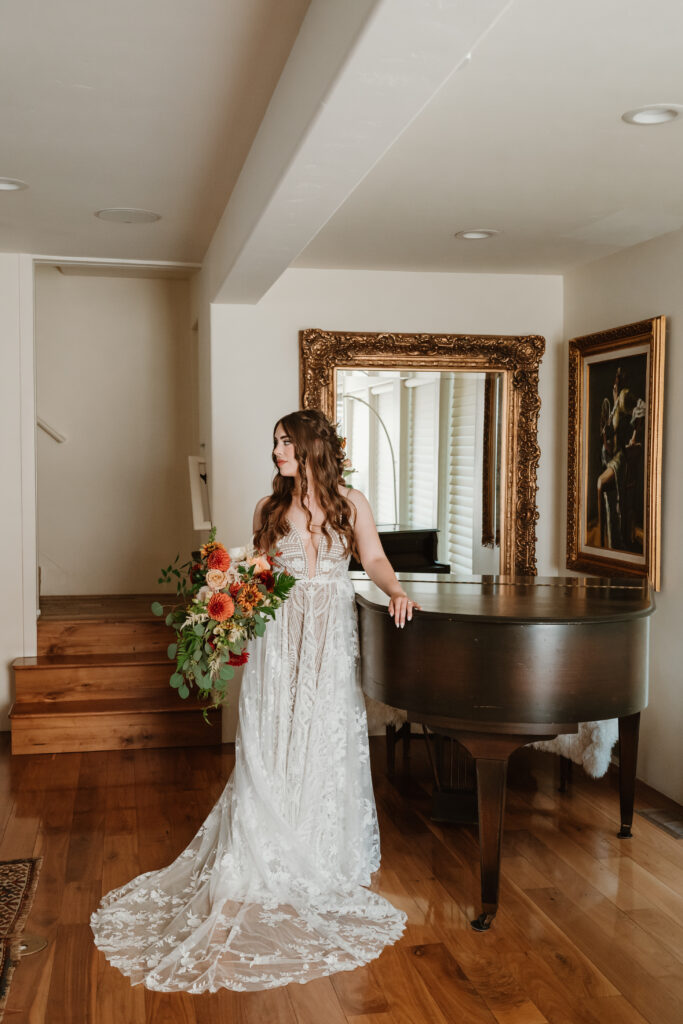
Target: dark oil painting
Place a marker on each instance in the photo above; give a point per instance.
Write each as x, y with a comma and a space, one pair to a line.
616, 391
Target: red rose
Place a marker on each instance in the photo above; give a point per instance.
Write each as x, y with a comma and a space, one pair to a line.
239, 659
219, 559
267, 579
220, 607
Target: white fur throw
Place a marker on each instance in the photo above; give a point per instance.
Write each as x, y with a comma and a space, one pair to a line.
381, 715
590, 747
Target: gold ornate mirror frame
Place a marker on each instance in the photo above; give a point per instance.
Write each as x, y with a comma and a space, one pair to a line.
517, 358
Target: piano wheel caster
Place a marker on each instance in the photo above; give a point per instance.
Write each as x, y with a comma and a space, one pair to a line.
483, 922
625, 832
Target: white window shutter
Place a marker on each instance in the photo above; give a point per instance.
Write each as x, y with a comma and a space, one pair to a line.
461, 472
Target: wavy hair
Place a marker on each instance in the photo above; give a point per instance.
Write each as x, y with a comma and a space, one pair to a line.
318, 447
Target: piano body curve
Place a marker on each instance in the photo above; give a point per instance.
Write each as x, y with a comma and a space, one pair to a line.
497, 662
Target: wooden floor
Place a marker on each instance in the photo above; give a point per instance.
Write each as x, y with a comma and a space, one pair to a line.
590, 927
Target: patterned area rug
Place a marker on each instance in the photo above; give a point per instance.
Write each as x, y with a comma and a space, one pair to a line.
18, 880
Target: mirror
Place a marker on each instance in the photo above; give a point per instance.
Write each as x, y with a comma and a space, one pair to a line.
506, 444
424, 447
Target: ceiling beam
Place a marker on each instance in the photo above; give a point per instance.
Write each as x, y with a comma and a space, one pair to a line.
357, 75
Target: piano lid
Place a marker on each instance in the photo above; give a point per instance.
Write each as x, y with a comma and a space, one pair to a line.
524, 599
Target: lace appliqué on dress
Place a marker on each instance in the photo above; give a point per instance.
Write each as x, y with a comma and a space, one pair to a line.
271, 889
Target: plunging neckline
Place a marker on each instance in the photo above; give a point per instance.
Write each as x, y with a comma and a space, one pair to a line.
303, 547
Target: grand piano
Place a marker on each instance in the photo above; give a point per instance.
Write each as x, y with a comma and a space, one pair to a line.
500, 661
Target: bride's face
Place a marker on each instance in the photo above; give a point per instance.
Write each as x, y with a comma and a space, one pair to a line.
283, 450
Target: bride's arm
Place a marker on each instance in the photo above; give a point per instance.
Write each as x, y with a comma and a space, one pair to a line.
375, 562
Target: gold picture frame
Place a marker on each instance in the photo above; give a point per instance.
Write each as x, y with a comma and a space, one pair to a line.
614, 469
490, 527
516, 358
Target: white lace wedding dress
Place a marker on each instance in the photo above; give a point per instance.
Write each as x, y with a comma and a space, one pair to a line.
271, 888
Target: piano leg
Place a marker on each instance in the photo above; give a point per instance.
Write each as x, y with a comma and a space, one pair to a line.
391, 749
565, 774
628, 756
491, 780
490, 752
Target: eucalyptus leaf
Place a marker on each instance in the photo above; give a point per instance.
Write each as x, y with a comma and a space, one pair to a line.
198, 628
177, 680
227, 672
259, 628
169, 618
172, 650
197, 654
183, 691
157, 608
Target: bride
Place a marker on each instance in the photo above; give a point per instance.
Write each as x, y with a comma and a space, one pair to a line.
272, 889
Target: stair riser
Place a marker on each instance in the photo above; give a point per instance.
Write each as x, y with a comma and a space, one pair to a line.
64, 637
103, 682
130, 730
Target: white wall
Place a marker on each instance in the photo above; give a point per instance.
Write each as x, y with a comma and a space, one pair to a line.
255, 368
11, 583
117, 374
640, 282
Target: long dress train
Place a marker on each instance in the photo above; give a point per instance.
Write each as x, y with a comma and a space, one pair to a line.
271, 888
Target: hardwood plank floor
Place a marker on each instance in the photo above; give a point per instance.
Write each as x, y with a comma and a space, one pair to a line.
588, 930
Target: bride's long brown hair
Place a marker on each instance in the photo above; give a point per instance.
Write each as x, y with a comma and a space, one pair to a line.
318, 447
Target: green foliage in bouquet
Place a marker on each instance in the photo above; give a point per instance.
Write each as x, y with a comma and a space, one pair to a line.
225, 599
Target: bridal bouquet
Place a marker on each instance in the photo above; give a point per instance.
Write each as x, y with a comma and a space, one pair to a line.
226, 596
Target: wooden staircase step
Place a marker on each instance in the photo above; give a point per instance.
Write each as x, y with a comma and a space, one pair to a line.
114, 607
85, 636
166, 701
100, 680
39, 727
105, 658
72, 677
97, 624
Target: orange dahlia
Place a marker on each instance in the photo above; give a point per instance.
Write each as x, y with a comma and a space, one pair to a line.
220, 607
219, 559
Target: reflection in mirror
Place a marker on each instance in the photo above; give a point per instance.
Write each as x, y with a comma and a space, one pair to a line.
425, 448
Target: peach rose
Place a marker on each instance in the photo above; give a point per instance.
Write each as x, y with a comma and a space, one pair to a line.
216, 579
260, 563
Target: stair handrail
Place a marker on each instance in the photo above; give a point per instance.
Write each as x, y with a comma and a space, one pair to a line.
52, 431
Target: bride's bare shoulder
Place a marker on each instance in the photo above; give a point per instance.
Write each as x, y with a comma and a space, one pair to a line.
356, 497
257, 512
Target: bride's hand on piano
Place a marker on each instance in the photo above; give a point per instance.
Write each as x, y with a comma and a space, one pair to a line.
401, 607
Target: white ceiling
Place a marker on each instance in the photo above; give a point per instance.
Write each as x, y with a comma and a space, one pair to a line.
151, 105
527, 138
156, 104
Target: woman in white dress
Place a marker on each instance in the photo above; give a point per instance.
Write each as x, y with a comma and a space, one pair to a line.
272, 889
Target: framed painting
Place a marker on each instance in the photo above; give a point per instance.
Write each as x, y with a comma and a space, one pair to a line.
616, 380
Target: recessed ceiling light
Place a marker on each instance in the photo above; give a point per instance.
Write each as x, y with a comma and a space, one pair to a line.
126, 216
11, 185
659, 113
477, 233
